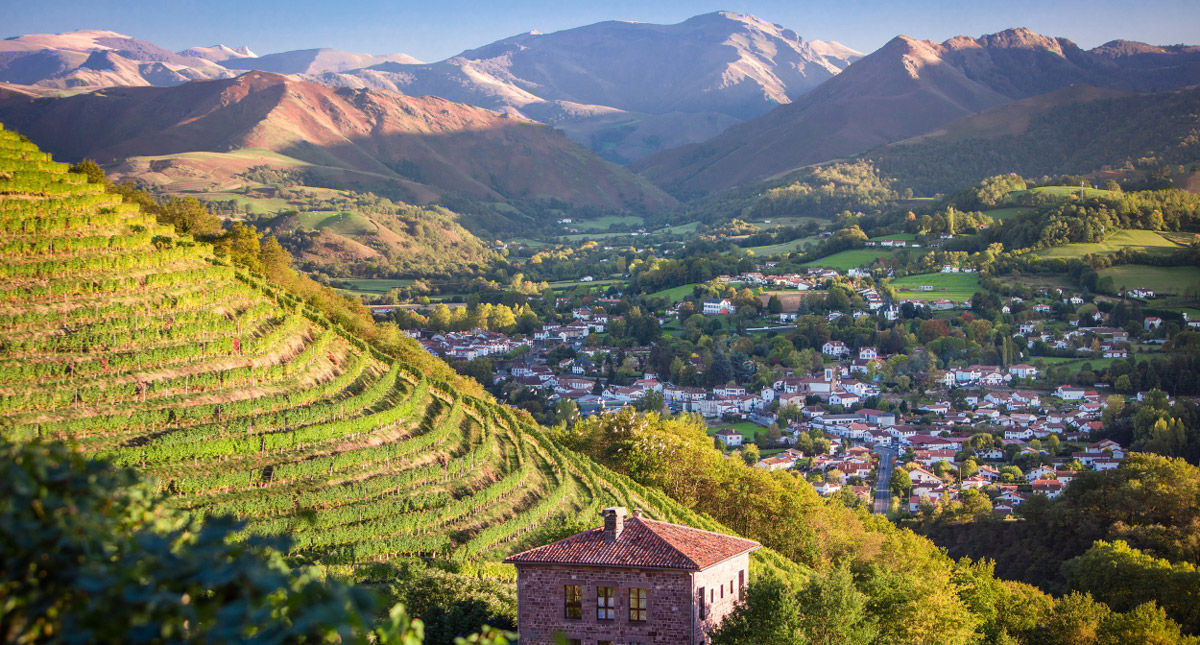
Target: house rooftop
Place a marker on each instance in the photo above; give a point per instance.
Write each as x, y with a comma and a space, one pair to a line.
641, 543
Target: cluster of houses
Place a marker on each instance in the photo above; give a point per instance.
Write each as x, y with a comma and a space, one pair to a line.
811, 279
470, 344
831, 400
938, 433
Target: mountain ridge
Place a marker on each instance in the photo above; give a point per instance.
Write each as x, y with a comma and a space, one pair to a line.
428, 144
706, 73
905, 88
623, 89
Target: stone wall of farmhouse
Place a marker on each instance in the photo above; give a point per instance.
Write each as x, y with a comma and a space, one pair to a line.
672, 602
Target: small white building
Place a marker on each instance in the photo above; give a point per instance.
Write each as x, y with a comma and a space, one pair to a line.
730, 437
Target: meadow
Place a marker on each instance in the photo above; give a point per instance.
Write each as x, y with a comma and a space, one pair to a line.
784, 247
850, 259
950, 286
344, 222
371, 287
1062, 191
675, 294
1148, 241
1001, 214
1163, 280
602, 223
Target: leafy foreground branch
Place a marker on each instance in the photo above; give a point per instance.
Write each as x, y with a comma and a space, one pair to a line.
91, 555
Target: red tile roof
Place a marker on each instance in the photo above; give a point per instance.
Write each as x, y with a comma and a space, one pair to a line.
642, 544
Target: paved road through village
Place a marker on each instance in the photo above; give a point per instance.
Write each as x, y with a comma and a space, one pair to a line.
883, 491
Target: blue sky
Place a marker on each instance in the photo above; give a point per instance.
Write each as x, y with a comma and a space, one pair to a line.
441, 28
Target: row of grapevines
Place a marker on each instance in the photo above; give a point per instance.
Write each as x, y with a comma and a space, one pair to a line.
140, 418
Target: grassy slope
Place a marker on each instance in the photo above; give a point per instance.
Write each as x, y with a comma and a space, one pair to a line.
1148, 241
1001, 214
951, 286
240, 399
783, 247
1166, 280
849, 259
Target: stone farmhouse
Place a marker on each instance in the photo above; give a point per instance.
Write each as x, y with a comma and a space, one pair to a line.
635, 580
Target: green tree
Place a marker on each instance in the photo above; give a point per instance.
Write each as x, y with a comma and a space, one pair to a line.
769, 614
651, 401
91, 555
774, 305
1075, 620
750, 454
440, 318
900, 483
833, 611
1123, 578
1145, 624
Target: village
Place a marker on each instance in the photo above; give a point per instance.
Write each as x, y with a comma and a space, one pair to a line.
1005, 430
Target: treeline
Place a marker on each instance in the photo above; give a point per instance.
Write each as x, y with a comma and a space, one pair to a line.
1156, 425
1126, 536
1093, 219
1144, 131
822, 192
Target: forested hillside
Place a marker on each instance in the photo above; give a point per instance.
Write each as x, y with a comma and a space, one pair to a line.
1074, 131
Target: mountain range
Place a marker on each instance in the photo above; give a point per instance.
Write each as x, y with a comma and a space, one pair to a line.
906, 88
716, 101
200, 135
627, 89
623, 89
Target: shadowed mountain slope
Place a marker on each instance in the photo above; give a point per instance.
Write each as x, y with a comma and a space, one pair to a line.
428, 146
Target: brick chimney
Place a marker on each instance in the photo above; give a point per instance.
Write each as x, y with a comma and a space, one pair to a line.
614, 522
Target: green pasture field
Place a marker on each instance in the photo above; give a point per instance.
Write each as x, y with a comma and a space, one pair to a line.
785, 247
786, 221
372, 287
584, 237
907, 237
1172, 280
674, 294
1192, 312
950, 286
679, 229
570, 284
849, 259
1076, 364
748, 429
1148, 241
602, 223
1062, 191
1001, 214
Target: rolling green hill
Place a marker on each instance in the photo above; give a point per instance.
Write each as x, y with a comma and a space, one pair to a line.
142, 347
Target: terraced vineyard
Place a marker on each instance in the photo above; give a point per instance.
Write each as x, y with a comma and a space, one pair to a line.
141, 346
